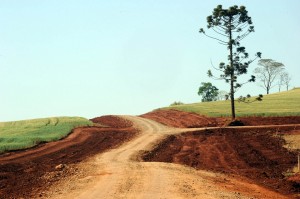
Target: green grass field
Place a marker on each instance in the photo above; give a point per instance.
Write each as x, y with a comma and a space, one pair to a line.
28, 133
278, 104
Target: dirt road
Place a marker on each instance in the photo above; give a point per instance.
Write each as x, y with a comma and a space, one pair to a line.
118, 173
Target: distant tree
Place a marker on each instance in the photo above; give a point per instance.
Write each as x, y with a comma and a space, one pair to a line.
286, 79
223, 95
280, 82
268, 72
176, 103
208, 92
229, 27
248, 98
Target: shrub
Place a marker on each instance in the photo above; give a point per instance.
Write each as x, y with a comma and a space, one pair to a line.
176, 103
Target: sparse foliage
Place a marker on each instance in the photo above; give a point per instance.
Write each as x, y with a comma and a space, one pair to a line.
268, 72
223, 95
208, 92
285, 78
229, 27
248, 98
176, 103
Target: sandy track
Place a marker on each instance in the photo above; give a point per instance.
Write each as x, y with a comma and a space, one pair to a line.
118, 174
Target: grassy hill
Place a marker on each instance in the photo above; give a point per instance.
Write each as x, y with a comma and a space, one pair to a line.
277, 104
28, 133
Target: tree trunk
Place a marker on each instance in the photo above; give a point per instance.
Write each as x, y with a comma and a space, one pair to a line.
232, 78
268, 87
232, 98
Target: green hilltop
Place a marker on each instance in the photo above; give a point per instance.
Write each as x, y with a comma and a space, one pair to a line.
286, 103
28, 133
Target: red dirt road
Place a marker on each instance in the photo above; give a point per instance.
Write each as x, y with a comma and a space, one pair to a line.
105, 161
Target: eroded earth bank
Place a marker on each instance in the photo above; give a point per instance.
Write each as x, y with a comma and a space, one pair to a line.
138, 157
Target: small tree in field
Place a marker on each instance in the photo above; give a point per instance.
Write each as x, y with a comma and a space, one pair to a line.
268, 72
229, 27
223, 95
208, 92
286, 79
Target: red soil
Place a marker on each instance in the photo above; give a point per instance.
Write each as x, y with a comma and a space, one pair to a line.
255, 121
253, 153
22, 173
182, 119
112, 121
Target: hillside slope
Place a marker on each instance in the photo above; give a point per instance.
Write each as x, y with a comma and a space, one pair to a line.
28, 133
278, 104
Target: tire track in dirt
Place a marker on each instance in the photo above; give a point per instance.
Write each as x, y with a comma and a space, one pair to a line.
118, 174
125, 173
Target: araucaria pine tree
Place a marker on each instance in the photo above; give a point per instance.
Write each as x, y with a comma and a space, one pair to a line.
229, 27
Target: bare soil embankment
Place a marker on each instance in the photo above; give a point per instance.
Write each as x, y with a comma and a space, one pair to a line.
240, 162
255, 153
180, 119
28, 174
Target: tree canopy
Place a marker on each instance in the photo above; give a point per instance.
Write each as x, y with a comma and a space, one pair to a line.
285, 79
208, 92
268, 72
229, 27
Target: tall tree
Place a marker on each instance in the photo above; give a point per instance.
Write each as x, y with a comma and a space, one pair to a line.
268, 72
229, 27
286, 79
208, 92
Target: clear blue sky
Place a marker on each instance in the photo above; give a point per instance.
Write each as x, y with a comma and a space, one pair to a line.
91, 58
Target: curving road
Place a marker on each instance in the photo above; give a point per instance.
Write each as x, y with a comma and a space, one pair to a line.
118, 173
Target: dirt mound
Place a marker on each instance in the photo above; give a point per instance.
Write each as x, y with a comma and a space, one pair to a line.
112, 121
236, 123
180, 119
255, 154
26, 174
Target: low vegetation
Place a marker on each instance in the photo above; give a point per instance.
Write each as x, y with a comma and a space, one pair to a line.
28, 133
278, 104
176, 103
